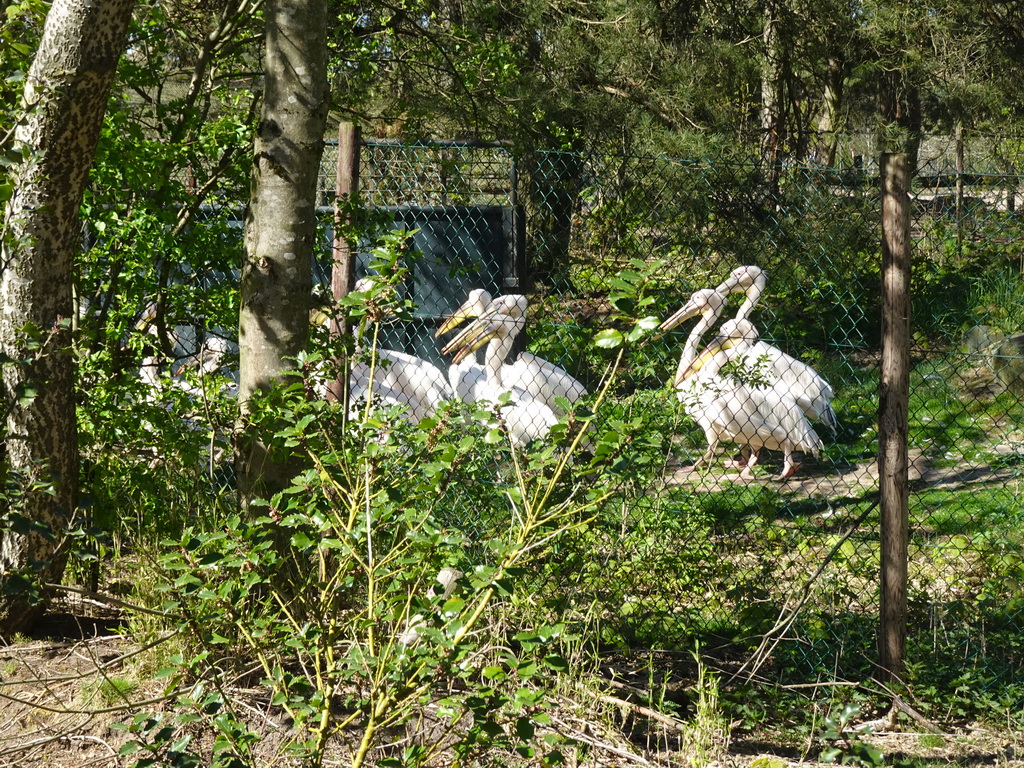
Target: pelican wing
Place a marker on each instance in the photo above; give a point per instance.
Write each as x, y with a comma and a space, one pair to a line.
544, 380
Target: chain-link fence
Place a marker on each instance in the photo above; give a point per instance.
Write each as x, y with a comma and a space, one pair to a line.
780, 575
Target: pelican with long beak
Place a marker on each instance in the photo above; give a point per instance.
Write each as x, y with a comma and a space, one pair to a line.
810, 390
750, 413
541, 378
526, 417
466, 377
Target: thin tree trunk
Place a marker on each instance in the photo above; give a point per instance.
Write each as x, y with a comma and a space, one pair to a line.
893, 414
343, 269
958, 140
828, 119
771, 86
65, 97
281, 227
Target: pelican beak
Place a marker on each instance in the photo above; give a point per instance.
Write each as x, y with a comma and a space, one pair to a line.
688, 310
147, 319
482, 324
464, 337
474, 344
720, 344
476, 335
464, 312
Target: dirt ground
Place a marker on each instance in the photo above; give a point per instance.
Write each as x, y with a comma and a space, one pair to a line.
53, 714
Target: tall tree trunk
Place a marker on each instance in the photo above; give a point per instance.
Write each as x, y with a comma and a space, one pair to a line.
65, 97
828, 118
894, 393
281, 227
771, 89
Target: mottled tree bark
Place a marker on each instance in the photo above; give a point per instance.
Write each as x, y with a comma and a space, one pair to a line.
65, 98
281, 231
894, 395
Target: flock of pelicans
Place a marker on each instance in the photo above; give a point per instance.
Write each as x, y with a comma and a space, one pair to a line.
738, 389
769, 404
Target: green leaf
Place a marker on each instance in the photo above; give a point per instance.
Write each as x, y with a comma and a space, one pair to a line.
556, 662
525, 728
493, 673
453, 606
609, 338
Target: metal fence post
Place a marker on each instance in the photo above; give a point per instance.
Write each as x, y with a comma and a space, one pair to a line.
894, 391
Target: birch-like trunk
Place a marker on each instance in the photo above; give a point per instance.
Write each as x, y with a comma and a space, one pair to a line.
281, 228
65, 98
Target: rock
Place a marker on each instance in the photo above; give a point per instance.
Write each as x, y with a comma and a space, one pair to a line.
981, 337
1007, 360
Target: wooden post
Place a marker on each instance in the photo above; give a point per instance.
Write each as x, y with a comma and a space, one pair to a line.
894, 392
343, 266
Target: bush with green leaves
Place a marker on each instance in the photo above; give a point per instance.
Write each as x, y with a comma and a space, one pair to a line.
387, 596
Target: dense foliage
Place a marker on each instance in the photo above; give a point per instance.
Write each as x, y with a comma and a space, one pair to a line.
326, 600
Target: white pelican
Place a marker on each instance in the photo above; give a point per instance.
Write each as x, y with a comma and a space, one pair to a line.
396, 378
467, 377
526, 416
541, 378
812, 393
708, 303
755, 416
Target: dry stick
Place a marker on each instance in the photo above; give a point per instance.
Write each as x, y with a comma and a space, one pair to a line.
578, 735
106, 600
773, 636
671, 722
888, 721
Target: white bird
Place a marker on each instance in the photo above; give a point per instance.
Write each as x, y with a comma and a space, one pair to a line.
393, 377
810, 390
467, 377
708, 303
758, 416
541, 378
526, 416
207, 359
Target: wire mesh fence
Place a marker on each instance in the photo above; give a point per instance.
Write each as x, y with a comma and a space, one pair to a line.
729, 555
779, 576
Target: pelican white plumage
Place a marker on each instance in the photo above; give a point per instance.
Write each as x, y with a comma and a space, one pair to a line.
393, 377
526, 416
541, 378
745, 413
810, 390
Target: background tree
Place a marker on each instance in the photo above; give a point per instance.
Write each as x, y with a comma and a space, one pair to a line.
281, 228
65, 97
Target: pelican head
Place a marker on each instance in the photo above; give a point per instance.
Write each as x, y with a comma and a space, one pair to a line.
505, 316
743, 280
748, 280
148, 317
474, 306
702, 302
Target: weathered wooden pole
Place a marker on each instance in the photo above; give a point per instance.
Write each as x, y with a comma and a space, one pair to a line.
343, 265
894, 390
